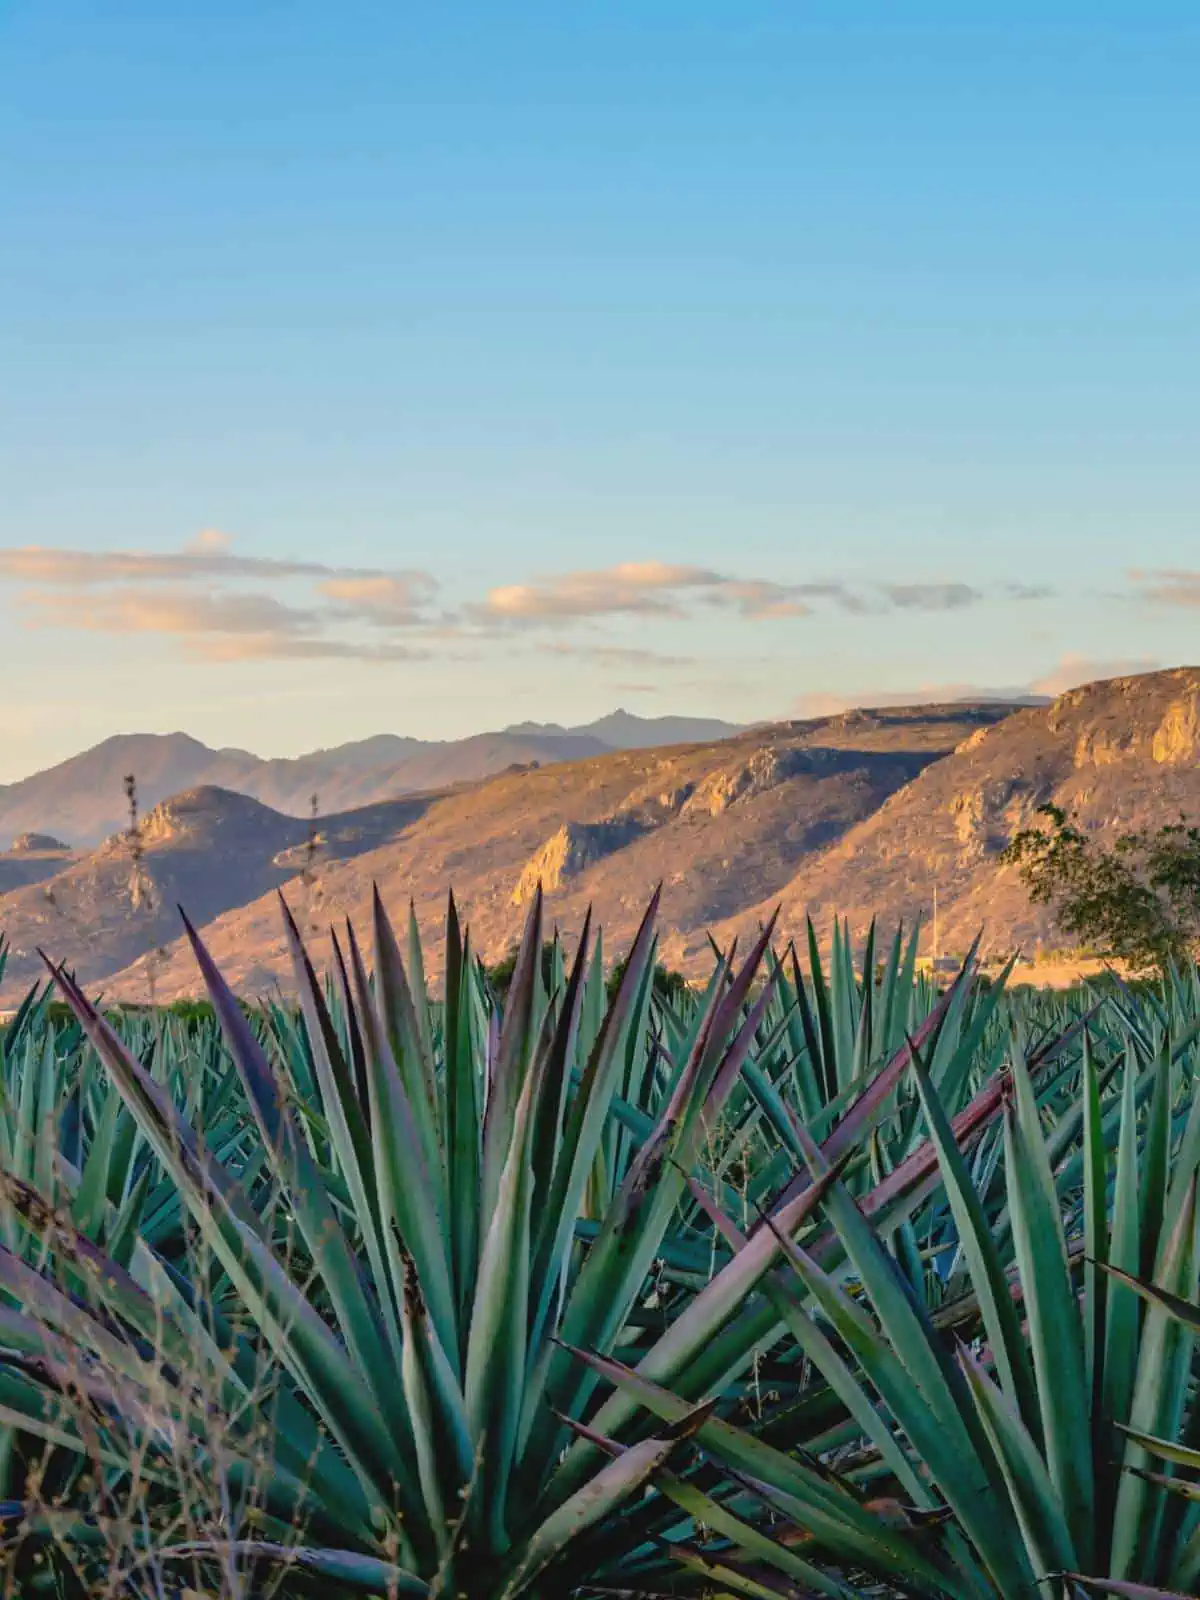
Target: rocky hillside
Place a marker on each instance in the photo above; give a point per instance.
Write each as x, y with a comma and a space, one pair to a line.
208, 850
1120, 755
32, 857
862, 813
724, 825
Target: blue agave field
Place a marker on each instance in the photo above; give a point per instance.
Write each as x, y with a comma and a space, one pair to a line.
821, 1280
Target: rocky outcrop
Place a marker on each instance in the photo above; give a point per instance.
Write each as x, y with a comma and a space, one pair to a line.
38, 844
986, 818
766, 768
572, 849
1177, 737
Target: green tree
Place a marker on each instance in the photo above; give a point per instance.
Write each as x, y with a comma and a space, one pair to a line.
668, 984
1137, 901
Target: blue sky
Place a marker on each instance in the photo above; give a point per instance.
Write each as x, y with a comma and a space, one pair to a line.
427, 368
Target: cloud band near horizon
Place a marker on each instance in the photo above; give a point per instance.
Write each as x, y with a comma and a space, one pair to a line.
212, 598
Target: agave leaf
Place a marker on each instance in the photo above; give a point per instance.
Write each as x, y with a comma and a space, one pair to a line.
1185, 1311
554, 1059
958, 1050
821, 1000
599, 1497
440, 1430
408, 1200
734, 1445
761, 1324
914, 1375
1034, 1497
1165, 1449
918, 1174
1095, 1229
633, 1229
420, 994
513, 1055
1153, 1177
583, 1127
760, 1546
24, 1408
91, 1197
400, 1012
289, 1323
988, 1277
1160, 1388
821, 1352
168, 1418
358, 1317
1055, 1330
890, 989
878, 1547
827, 1511
354, 1038
810, 1070
462, 1090
493, 1388
1120, 1587
349, 1134
1121, 1311
869, 1106
366, 1573
756, 1585
696, 1325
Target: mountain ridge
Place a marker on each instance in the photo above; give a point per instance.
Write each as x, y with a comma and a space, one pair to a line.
861, 813
723, 824
82, 799
1118, 754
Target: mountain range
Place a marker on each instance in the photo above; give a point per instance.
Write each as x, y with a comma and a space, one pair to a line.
864, 813
82, 800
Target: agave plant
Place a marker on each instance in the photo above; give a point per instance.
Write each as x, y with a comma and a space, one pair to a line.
416, 1306
1028, 1430
401, 1296
762, 1289
826, 1037
70, 1149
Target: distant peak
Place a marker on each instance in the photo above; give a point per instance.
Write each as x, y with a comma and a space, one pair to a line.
37, 844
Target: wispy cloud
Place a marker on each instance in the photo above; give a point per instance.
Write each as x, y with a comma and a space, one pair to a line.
1168, 586
607, 655
216, 626
209, 556
654, 588
228, 606
389, 599
222, 606
635, 587
289, 647
657, 588
930, 596
165, 610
